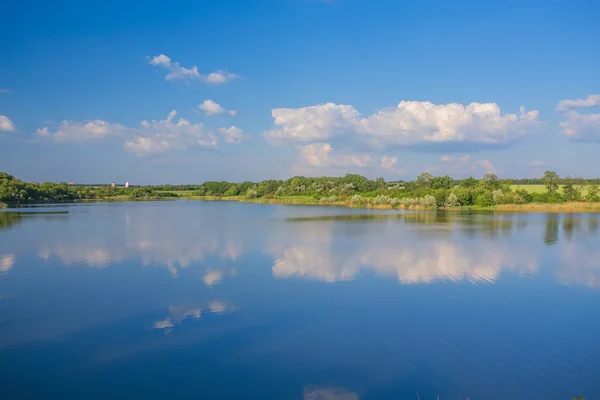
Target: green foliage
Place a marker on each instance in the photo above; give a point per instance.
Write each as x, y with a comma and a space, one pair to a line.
468, 183
442, 182
551, 180
571, 192
485, 199
490, 182
593, 192
452, 200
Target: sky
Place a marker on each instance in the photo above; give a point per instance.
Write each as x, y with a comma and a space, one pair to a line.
156, 92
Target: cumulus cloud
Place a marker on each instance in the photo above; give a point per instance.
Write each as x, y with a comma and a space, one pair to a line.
174, 70
314, 123
409, 123
233, 134
177, 72
580, 126
592, 100
83, 131
165, 135
211, 108
219, 77
6, 124
322, 155
388, 162
150, 138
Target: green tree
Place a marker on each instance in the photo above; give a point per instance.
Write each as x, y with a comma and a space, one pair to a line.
469, 182
424, 180
551, 180
571, 192
490, 181
593, 192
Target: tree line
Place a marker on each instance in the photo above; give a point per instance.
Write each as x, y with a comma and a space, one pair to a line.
426, 190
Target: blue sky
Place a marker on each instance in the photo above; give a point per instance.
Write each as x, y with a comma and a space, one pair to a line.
275, 88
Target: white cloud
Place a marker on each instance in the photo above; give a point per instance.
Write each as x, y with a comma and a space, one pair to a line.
577, 125
410, 123
6, 124
581, 126
310, 124
388, 162
323, 155
233, 134
150, 138
464, 165
321, 158
78, 131
592, 100
5, 91
165, 135
177, 72
219, 77
211, 108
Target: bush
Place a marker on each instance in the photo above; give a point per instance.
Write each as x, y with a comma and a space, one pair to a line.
409, 202
357, 199
428, 201
465, 196
485, 199
497, 196
381, 199
452, 200
328, 200
394, 202
251, 194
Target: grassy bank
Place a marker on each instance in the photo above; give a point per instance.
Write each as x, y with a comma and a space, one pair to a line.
308, 200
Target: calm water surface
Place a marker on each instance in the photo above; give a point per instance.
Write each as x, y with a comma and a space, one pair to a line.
243, 301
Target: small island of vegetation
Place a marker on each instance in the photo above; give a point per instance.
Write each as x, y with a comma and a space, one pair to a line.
548, 193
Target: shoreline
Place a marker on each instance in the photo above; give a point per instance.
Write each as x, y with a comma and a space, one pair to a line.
568, 207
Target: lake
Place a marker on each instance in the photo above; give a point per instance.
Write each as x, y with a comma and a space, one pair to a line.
209, 300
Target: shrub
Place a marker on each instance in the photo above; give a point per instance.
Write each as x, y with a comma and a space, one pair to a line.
428, 201
497, 196
452, 200
394, 202
357, 199
485, 199
381, 199
409, 201
251, 194
328, 200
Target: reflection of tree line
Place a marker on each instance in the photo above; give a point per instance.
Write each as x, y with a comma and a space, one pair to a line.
571, 224
487, 224
8, 219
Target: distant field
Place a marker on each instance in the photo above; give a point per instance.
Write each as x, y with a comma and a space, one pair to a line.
542, 188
